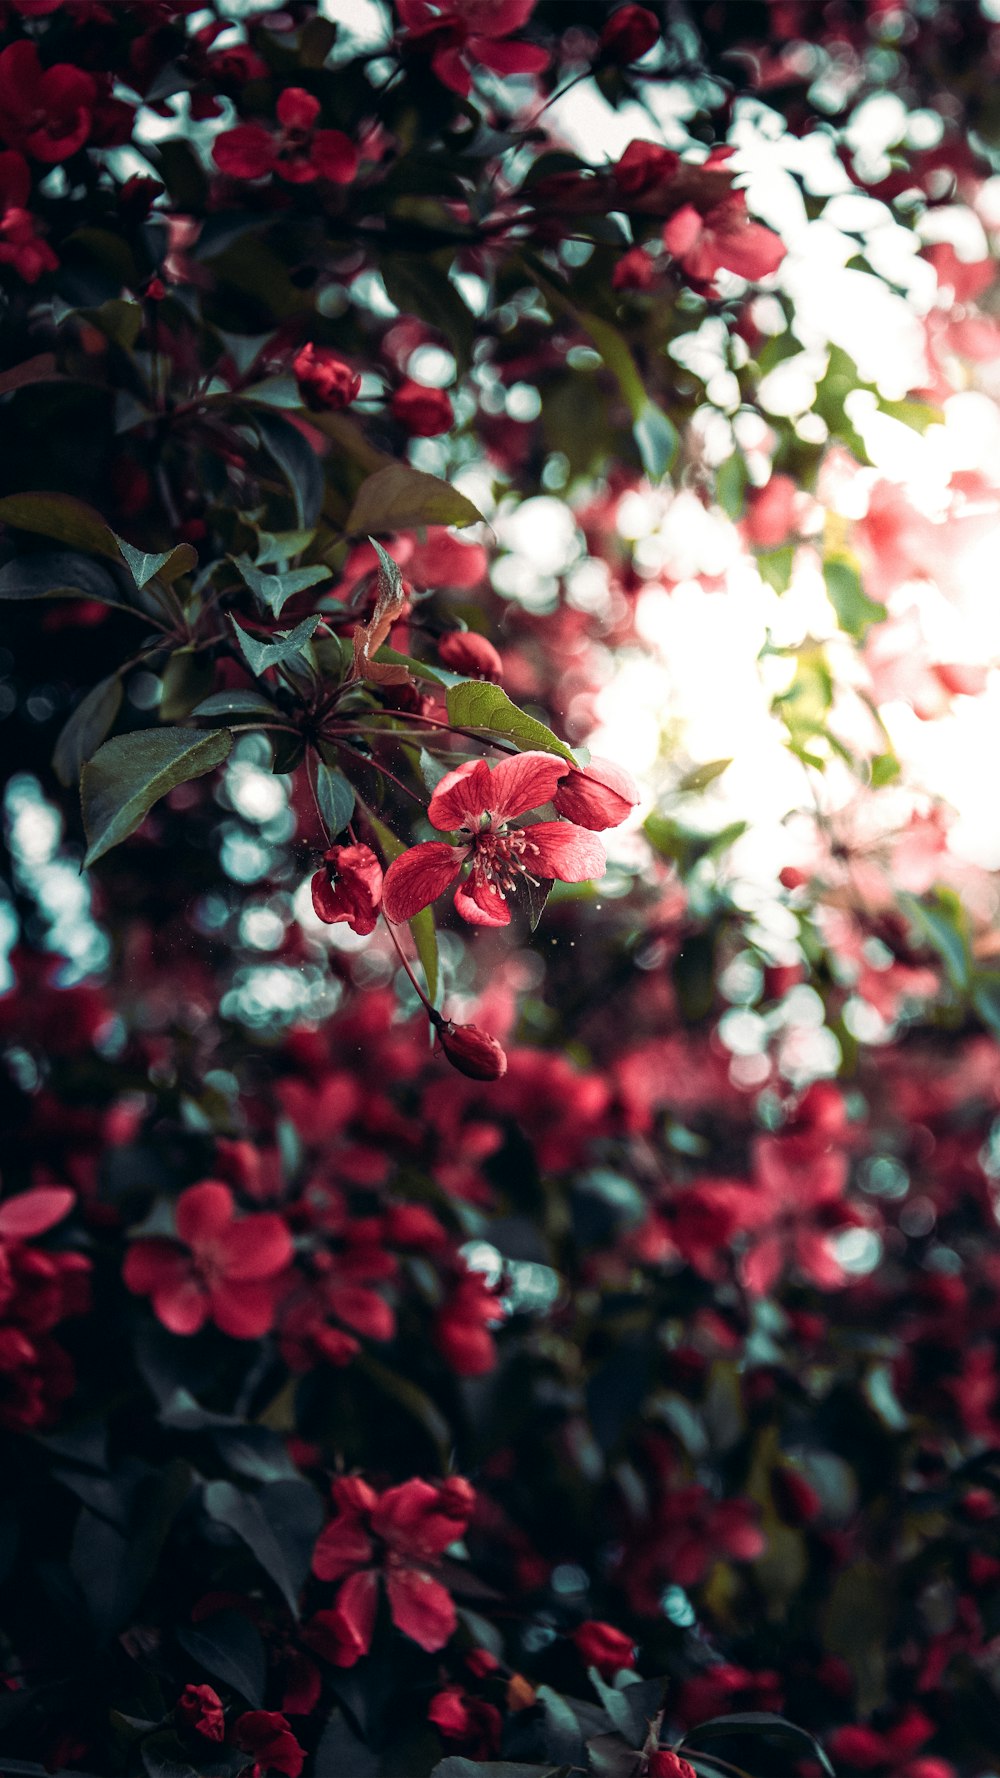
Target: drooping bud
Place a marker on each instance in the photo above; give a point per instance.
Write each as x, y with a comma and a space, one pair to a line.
473, 1052
628, 34
348, 888
600, 1645
663, 1762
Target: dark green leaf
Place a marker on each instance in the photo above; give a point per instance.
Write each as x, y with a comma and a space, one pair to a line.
230, 1648
335, 797
239, 702
62, 518
656, 441
130, 773
534, 895
474, 704
83, 733
398, 498
472, 1768
422, 924
760, 1722
273, 591
297, 461
164, 1756
56, 574
342, 1754
278, 1526
186, 678
563, 1736
261, 655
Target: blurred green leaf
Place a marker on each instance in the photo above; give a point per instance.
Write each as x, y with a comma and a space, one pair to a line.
130, 773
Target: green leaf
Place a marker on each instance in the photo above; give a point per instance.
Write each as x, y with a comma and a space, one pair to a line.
731, 485
335, 796
62, 518
398, 498
267, 1533
186, 679
341, 1754
477, 705
239, 702
261, 655
855, 611
297, 461
760, 1722
941, 924
164, 1756
57, 574
422, 924
775, 567
130, 773
455, 1767
281, 546
83, 733
274, 590
230, 1648
656, 441
986, 999
702, 776
170, 564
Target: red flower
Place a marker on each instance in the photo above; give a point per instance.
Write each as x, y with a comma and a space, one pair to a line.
219, 1269
400, 1535
20, 244
46, 111
472, 1722
267, 1736
464, 32
481, 804
629, 33
462, 1327
200, 1708
601, 795
298, 153
636, 270
600, 1645
32, 1213
422, 412
464, 651
349, 887
724, 238
324, 380
663, 1762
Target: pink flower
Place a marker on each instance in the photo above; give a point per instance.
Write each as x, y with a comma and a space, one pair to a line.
481, 804
219, 1269
200, 1708
298, 153
465, 651
472, 1722
20, 244
461, 33
268, 1737
399, 1535
723, 239
47, 112
348, 888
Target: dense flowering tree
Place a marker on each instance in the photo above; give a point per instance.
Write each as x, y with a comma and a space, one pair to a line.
498, 1224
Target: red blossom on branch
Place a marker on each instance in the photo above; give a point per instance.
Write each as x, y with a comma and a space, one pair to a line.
44, 112
298, 152
482, 805
348, 888
460, 35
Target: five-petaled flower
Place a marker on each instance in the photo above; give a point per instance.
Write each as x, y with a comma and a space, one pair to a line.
220, 1268
298, 152
725, 238
400, 1535
482, 804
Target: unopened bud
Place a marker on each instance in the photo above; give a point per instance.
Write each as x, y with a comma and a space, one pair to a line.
473, 1052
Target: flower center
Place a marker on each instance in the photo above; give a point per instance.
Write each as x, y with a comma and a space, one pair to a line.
501, 857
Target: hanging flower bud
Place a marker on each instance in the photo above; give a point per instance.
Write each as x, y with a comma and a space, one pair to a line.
600, 1645
466, 652
349, 887
628, 34
473, 1052
663, 1762
324, 380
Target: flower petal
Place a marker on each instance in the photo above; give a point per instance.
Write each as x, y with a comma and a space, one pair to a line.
418, 877
32, 1212
256, 1247
561, 850
420, 1607
524, 782
204, 1211
478, 902
243, 1310
461, 797
182, 1307
247, 152
602, 796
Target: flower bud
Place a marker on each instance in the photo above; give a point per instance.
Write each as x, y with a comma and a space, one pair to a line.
628, 34
422, 412
600, 1645
665, 1763
324, 380
473, 1052
200, 1708
349, 887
